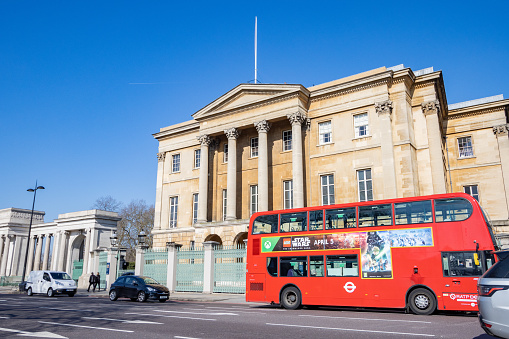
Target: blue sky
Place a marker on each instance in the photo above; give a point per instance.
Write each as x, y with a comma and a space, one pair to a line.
75, 117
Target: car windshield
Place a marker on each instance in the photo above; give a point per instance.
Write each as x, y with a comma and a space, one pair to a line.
148, 280
61, 276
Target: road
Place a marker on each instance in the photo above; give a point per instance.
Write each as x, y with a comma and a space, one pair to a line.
88, 317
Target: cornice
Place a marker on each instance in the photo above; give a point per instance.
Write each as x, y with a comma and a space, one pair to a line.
486, 108
183, 128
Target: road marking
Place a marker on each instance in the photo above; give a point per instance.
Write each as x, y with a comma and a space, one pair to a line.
125, 321
65, 309
5, 318
33, 334
179, 337
324, 316
351, 329
200, 313
237, 310
82, 326
172, 316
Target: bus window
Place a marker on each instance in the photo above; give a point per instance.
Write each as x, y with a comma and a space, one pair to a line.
375, 215
316, 220
316, 266
460, 264
272, 266
265, 224
415, 212
340, 218
294, 222
293, 267
342, 266
456, 209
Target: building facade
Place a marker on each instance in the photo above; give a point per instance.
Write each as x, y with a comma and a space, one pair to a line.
381, 134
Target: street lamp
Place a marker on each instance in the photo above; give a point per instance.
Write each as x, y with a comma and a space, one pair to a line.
114, 244
22, 285
141, 238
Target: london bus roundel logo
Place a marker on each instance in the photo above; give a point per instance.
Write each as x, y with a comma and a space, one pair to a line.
349, 287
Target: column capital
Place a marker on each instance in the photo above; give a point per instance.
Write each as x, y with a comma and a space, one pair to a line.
297, 118
430, 107
262, 126
232, 133
384, 107
205, 140
501, 129
161, 156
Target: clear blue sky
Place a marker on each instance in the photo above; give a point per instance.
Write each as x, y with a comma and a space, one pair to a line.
74, 116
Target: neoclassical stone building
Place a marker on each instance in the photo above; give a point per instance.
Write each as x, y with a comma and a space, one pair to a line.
385, 133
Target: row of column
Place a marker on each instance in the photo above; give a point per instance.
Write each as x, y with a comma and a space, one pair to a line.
5, 245
232, 134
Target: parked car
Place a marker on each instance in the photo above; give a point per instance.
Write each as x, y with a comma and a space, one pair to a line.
138, 288
493, 289
128, 273
50, 283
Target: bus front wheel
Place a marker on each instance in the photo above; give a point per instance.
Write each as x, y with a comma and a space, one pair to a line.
290, 298
421, 301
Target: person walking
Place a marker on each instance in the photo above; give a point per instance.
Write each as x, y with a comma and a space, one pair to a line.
98, 280
91, 282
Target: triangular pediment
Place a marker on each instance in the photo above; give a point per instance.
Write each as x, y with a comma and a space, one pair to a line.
246, 95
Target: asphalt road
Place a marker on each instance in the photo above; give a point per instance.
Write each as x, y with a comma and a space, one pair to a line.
88, 317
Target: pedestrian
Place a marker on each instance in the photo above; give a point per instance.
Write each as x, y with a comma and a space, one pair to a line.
91, 282
98, 280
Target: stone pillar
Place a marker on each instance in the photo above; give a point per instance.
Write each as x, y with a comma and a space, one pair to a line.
384, 110
30, 260
5, 256
54, 257
297, 119
502, 134
205, 141
140, 259
38, 250
61, 249
208, 262
159, 189
263, 128
86, 255
431, 110
171, 276
1, 248
46, 252
10, 258
231, 179
112, 261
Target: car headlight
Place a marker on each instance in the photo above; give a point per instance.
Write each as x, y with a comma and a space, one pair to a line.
151, 289
59, 283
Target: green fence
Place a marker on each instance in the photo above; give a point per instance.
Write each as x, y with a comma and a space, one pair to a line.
190, 270
156, 264
77, 269
103, 262
230, 269
10, 281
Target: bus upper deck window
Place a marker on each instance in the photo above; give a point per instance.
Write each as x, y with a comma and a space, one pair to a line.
316, 220
265, 224
375, 215
340, 218
414, 212
294, 222
456, 209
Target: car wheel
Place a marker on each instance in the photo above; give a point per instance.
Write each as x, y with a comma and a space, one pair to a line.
142, 296
162, 300
113, 295
421, 301
29, 292
290, 298
50, 292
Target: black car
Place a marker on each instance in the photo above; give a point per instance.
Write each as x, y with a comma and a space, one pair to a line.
138, 288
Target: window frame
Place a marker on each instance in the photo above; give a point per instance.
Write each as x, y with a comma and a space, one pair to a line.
225, 203
478, 198
253, 199
328, 185
254, 148
471, 147
225, 153
365, 180
287, 138
173, 212
327, 134
175, 162
195, 207
197, 158
290, 190
358, 127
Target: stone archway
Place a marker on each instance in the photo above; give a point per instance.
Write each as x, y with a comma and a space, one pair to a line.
77, 252
214, 237
239, 240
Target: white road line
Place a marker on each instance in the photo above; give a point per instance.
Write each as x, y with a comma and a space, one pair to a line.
33, 334
197, 313
257, 309
172, 316
125, 321
351, 329
237, 310
179, 337
82, 326
5, 318
65, 309
324, 316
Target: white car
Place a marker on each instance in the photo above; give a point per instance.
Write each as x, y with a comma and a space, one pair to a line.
50, 283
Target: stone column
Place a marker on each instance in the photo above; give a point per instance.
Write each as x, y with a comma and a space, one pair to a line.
501, 132
54, 257
91, 250
231, 179
30, 260
205, 141
384, 110
112, 273
431, 110
171, 276
5, 256
263, 128
86, 255
46, 252
38, 250
159, 189
1, 248
208, 262
140, 259
297, 119
61, 249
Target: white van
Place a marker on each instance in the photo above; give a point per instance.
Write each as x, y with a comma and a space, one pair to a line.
50, 283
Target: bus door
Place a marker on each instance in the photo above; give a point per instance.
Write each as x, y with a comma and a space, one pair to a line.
461, 272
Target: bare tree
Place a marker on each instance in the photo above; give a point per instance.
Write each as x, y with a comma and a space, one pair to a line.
107, 203
137, 216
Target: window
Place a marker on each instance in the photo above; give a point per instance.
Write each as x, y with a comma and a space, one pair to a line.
315, 220
316, 266
174, 203
288, 193
175, 163
254, 198
293, 267
224, 204
342, 266
375, 215
195, 207
287, 140
461, 264
365, 185
472, 190
456, 209
272, 266
327, 183
324, 132
197, 158
465, 147
265, 224
225, 153
254, 147
340, 218
294, 222
360, 124
415, 212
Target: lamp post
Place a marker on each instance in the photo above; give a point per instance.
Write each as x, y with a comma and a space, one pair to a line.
22, 285
141, 238
114, 244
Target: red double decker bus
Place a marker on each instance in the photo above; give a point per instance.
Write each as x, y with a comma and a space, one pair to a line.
424, 253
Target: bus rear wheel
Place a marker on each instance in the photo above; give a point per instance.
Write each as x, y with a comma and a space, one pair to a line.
290, 298
421, 301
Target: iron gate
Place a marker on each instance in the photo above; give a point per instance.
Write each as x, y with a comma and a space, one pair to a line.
190, 270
